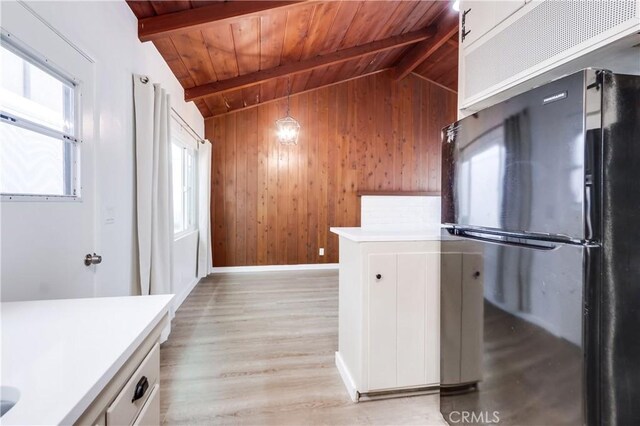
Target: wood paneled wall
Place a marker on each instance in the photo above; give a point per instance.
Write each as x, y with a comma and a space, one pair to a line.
274, 204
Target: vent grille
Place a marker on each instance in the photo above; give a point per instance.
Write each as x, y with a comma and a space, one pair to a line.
549, 29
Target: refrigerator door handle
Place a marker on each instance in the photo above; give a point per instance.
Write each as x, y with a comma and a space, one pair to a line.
490, 238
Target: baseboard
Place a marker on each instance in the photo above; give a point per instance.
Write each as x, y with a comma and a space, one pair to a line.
182, 296
346, 378
272, 268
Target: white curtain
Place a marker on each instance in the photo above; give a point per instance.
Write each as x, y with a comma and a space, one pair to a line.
153, 186
204, 209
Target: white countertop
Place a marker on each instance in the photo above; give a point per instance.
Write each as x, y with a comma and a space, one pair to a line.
60, 354
370, 235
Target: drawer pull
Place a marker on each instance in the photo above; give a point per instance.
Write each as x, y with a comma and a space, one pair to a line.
378, 276
141, 388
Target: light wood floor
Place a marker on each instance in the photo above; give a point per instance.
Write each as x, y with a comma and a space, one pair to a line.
259, 349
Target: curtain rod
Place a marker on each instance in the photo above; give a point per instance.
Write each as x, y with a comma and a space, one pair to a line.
186, 125
145, 79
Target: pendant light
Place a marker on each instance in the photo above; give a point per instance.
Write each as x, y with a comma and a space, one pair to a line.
288, 127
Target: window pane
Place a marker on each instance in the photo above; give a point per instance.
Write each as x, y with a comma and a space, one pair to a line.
32, 163
190, 189
178, 173
33, 93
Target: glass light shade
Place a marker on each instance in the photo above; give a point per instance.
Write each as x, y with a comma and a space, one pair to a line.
288, 130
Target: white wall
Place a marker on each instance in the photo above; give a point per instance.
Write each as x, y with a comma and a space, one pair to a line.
107, 32
185, 252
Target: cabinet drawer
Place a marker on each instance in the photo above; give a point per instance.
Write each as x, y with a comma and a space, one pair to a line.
124, 409
150, 413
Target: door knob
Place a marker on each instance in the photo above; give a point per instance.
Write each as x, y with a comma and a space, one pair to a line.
92, 259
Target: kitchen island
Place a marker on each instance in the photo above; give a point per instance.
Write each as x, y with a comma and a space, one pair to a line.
78, 360
389, 311
400, 291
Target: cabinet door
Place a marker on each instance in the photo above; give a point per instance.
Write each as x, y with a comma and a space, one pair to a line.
451, 312
411, 301
432, 320
150, 413
481, 16
472, 317
382, 282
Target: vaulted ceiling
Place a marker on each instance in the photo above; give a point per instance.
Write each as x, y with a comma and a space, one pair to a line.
231, 55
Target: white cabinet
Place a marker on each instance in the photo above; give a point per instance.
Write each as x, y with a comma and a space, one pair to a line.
510, 47
403, 308
481, 16
150, 412
417, 302
462, 295
382, 284
389, 316
472, 316
132, 397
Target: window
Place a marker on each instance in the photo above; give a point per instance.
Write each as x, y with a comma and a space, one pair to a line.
38, 131
183, 157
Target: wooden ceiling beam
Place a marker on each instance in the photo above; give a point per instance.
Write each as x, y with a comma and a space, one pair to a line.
170, 24
306, 65
307, 89
447, 27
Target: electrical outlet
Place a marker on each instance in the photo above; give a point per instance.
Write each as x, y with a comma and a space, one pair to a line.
321, 251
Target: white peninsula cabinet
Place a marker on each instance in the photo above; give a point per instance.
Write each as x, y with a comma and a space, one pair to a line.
91, 361
389, 311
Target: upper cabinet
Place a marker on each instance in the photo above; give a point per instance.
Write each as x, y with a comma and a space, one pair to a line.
478, 17
508, 47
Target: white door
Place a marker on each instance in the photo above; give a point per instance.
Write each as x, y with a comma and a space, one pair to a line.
418, 323
451, 319
382, 282
404, 320
410, 341
432, 319
44, 239
472, 335
481, 16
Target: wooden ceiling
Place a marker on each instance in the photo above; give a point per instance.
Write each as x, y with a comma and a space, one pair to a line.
231, 55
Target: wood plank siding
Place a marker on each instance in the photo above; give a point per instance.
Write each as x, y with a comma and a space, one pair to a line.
274, 204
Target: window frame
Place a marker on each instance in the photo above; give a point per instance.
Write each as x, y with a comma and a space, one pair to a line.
74, 141
188, 148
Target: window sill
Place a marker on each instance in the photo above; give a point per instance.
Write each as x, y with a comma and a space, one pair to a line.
38, 198
184, 234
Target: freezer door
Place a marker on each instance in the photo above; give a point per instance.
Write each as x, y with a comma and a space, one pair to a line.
519, 166
532, 353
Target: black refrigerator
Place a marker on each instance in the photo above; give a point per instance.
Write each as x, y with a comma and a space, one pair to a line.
548, 184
